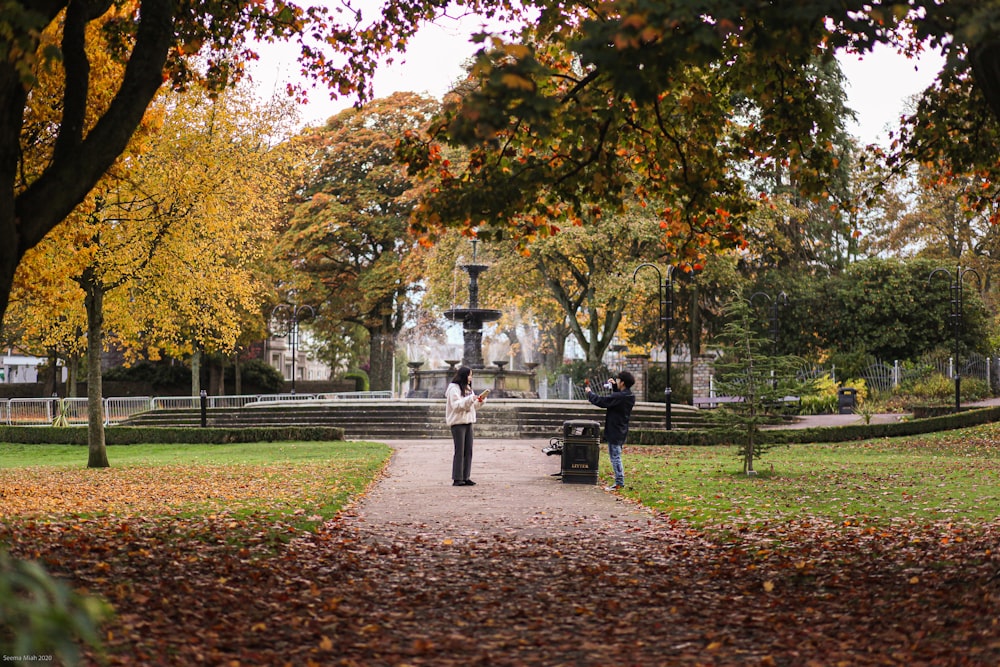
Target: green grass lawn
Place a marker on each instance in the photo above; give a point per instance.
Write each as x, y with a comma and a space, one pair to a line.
19, 456
952, 476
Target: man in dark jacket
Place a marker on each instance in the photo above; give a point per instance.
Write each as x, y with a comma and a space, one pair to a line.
619, 405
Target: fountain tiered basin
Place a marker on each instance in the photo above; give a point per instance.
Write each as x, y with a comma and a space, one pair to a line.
501, 382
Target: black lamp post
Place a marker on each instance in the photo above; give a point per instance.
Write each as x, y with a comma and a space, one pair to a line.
290, 326
666, 304
956, 316
780, 299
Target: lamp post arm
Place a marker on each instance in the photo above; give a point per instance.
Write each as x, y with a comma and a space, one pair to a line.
935, 272
965, 272
665, 288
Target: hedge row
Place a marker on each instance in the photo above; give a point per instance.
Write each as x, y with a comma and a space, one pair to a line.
719, 436
134, 435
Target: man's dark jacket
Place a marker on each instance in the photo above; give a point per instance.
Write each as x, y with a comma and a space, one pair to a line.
619, 405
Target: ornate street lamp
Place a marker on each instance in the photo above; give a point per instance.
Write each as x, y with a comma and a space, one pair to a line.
288, 316
780, 299
666, 307
956, 316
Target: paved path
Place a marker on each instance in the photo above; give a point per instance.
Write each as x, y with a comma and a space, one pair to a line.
809, 421
806, 421
515, 494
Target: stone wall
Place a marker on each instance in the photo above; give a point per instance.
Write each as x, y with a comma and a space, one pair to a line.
638, 365
701, 374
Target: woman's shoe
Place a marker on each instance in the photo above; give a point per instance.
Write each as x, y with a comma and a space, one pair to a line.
469, 482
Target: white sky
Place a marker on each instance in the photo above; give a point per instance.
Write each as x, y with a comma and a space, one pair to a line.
432, 63
879, 86
877, 90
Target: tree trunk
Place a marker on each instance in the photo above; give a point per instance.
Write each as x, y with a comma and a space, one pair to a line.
217, 376
517, 351
237, 376
78, 162
985, 60
9, 259
51, 384
196, 373
13, 95
382, 350
555, 346
94, 300
73, 376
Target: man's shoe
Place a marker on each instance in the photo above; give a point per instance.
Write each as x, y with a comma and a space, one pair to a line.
458, 482
469, 482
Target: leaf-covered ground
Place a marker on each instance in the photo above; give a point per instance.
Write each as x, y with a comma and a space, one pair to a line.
795, 594
209, 565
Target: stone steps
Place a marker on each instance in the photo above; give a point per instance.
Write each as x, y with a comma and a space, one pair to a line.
417, 418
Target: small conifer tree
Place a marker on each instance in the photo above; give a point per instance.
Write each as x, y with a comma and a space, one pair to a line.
750, 370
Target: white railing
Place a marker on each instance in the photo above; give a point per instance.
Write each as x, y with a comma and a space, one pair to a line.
283, 397
43, 411
174, 403
355, 395
194, 402
117, 410
230, 401
28, 411
75, 410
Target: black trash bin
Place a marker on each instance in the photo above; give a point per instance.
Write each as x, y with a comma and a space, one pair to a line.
847, 400
581, 445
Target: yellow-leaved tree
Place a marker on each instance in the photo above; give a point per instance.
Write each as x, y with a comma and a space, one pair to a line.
165, 252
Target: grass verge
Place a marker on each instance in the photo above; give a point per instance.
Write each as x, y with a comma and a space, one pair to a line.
297, 484
950, 476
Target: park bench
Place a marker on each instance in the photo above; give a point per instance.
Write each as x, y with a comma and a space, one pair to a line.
715, 401
709, 402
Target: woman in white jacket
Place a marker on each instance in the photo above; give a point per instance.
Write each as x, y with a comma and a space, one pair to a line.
460, 414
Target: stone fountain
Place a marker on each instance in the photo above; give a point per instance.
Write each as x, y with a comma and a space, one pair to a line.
502, 382
473, 317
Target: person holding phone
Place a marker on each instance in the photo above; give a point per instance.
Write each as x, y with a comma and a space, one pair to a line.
460, 415
619, 405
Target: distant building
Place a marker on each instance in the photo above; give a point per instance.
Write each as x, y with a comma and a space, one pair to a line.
278, 354
18, 368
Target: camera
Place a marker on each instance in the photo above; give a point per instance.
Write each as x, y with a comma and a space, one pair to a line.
610, 384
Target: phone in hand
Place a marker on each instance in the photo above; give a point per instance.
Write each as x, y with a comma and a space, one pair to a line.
482, 396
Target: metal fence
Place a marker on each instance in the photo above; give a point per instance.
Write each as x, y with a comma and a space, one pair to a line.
883, 376
564, 388
73, 411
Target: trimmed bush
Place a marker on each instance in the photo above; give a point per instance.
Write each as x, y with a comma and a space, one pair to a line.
938, 389
157, 375
846, 433
134, 435
259, 376
360, 379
